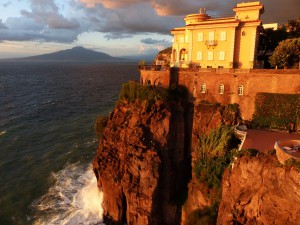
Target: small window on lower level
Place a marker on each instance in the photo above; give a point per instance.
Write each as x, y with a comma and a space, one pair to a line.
203, 88
220, 67
221, 89
209, 67
148, 82
241, 90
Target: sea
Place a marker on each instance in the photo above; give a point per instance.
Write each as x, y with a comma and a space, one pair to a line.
47, 139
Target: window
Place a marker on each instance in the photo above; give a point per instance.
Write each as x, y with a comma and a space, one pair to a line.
221, 89
210, 55
222, 55
199, 55
211, 36
200, 36
223, 36
186, 38
181, 39
241, 90
203, 88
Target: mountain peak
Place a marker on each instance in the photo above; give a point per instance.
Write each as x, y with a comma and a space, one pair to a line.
75, 54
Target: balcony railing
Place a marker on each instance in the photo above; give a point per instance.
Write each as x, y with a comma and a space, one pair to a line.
211, 43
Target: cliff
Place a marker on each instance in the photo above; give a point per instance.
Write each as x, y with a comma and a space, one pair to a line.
260, 191
141, 163
146, 166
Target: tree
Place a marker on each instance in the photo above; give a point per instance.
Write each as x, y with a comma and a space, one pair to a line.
286, 54
293, 27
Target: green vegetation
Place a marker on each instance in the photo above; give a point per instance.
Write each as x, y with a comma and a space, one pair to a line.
207, 216
292, 163
276, 111
166, 51
269, 38
215, 153
286, 54
132, 92
231, 114
142, 63
100, 125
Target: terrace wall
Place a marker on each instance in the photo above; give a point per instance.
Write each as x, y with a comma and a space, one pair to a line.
252, 81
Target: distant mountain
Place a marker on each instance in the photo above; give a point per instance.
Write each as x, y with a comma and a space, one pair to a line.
76, 54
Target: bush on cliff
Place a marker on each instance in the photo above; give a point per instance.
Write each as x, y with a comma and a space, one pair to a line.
132, 92
100, 125
214, 154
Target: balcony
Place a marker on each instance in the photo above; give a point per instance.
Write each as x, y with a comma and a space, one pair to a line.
211, 43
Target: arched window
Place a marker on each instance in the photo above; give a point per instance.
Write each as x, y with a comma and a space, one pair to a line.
241, 90
148, 82
203, 88
182, 55
221, 89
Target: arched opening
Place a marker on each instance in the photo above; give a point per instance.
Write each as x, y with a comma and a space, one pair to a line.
203, 88
148, 82
221, 89
241, 90
182, 54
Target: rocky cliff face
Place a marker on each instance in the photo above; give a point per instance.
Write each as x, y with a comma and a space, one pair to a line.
141, 163
260, 191
145, 168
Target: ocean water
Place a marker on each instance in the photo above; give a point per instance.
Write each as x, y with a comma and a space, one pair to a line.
47, 139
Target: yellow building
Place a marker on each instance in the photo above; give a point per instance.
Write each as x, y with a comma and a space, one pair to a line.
208, 42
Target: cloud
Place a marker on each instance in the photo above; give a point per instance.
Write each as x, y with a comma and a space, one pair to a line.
151, 41
111, 4
6, 4
47, 12
2, 26
118, 19
117, 36
280, 11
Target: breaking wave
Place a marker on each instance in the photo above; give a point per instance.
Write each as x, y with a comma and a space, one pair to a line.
74, 199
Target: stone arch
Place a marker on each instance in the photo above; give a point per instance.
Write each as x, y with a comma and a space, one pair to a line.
157, 82
147, 81
182, 54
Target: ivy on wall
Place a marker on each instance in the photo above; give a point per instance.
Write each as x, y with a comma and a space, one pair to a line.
276, 111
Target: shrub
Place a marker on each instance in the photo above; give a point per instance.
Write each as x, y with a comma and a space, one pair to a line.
205, 216
292, 163
276, 110
215, 153
100, 125
132, 92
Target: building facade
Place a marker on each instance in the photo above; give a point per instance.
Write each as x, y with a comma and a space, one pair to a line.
207, 42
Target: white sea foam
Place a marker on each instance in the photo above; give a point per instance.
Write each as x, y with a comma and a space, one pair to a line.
2, 132
74, 199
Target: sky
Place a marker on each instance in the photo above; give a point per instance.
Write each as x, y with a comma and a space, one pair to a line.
116, 27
